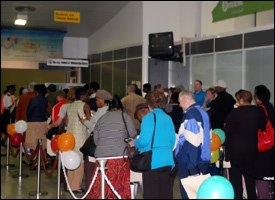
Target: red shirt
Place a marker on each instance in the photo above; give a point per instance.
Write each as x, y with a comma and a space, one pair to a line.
56, 109
21, 109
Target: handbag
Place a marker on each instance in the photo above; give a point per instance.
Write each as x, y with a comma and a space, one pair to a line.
192, 183
53, 131
265, 137
88, 148
141, 162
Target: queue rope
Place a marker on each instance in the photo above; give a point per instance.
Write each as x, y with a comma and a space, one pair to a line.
33, 155
69, 187
91, 185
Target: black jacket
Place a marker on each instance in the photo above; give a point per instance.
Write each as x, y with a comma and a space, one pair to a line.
220, 108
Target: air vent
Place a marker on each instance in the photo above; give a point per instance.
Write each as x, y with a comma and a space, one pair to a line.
25, 9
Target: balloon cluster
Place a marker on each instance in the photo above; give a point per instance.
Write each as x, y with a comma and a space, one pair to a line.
15, 131
218, 138
65, 143
215, 187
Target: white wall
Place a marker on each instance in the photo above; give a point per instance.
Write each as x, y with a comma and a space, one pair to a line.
188, 19
208, 28
124, 30
265, 17
75, 48
182, 18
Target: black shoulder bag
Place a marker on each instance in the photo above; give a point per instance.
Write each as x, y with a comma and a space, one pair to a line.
88, 148
141, 162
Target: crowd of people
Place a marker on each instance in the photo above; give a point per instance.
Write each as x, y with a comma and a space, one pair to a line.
177, 122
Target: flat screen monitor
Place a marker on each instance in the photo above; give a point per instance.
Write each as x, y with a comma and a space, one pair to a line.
161, 45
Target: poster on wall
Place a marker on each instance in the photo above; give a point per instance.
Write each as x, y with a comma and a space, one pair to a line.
31, 45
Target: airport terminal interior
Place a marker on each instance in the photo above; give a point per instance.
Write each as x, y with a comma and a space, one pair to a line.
107, 48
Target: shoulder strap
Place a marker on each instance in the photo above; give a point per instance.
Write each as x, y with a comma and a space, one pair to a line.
153, 131
265, 111
125, 124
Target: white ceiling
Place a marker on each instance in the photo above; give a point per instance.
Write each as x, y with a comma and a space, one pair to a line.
93, 15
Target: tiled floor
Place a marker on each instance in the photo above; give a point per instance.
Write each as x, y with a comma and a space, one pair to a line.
13, 188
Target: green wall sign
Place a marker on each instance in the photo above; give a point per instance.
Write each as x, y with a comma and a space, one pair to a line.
229, 9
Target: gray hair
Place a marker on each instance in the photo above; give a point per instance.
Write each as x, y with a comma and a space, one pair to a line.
186, 94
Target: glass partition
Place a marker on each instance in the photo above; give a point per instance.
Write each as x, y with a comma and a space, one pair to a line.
202, 69
229, 69
260, 69
119, 82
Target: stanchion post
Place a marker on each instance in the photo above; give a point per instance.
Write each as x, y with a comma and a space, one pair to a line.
20, 175
20, 161
58, 175
221, 160
38, 193
8, 152
7, 165
102, 163
38, 171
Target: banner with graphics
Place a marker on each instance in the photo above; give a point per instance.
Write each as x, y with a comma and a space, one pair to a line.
30, 45
229, 9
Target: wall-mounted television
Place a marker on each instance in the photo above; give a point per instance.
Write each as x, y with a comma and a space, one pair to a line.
161, 45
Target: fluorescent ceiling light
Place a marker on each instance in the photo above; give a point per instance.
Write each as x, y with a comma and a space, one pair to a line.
21, 20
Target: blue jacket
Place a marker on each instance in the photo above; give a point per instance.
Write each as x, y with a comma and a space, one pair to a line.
199, 97
192, 150
164, 139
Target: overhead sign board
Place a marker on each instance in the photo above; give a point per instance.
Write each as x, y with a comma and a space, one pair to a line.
67, 63
66, 16
229, 9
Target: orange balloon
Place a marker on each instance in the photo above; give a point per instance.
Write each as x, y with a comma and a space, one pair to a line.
66, 142
11, 129
215, 142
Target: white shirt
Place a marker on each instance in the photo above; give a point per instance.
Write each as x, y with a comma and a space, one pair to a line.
63, 110
90, 124
7, 101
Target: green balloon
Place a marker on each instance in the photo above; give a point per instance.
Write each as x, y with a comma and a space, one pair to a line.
215, 187
220, 133
215, 155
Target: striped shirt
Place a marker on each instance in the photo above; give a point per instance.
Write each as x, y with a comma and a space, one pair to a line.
109, 134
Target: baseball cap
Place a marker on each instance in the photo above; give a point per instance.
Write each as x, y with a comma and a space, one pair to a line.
221, 83
103, 94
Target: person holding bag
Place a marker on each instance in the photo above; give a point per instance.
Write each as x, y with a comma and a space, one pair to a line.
265, 160
241, 127
109, 134
157, 183
193, 149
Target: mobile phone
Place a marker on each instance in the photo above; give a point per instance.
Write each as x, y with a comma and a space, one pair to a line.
128, 139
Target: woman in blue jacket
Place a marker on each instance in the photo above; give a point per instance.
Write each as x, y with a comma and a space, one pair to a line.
157, 182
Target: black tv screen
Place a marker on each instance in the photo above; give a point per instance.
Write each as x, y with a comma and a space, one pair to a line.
161, 45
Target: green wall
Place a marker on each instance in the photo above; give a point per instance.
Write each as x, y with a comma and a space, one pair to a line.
21, 77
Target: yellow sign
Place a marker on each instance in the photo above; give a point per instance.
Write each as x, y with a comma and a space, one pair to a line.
66, 16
